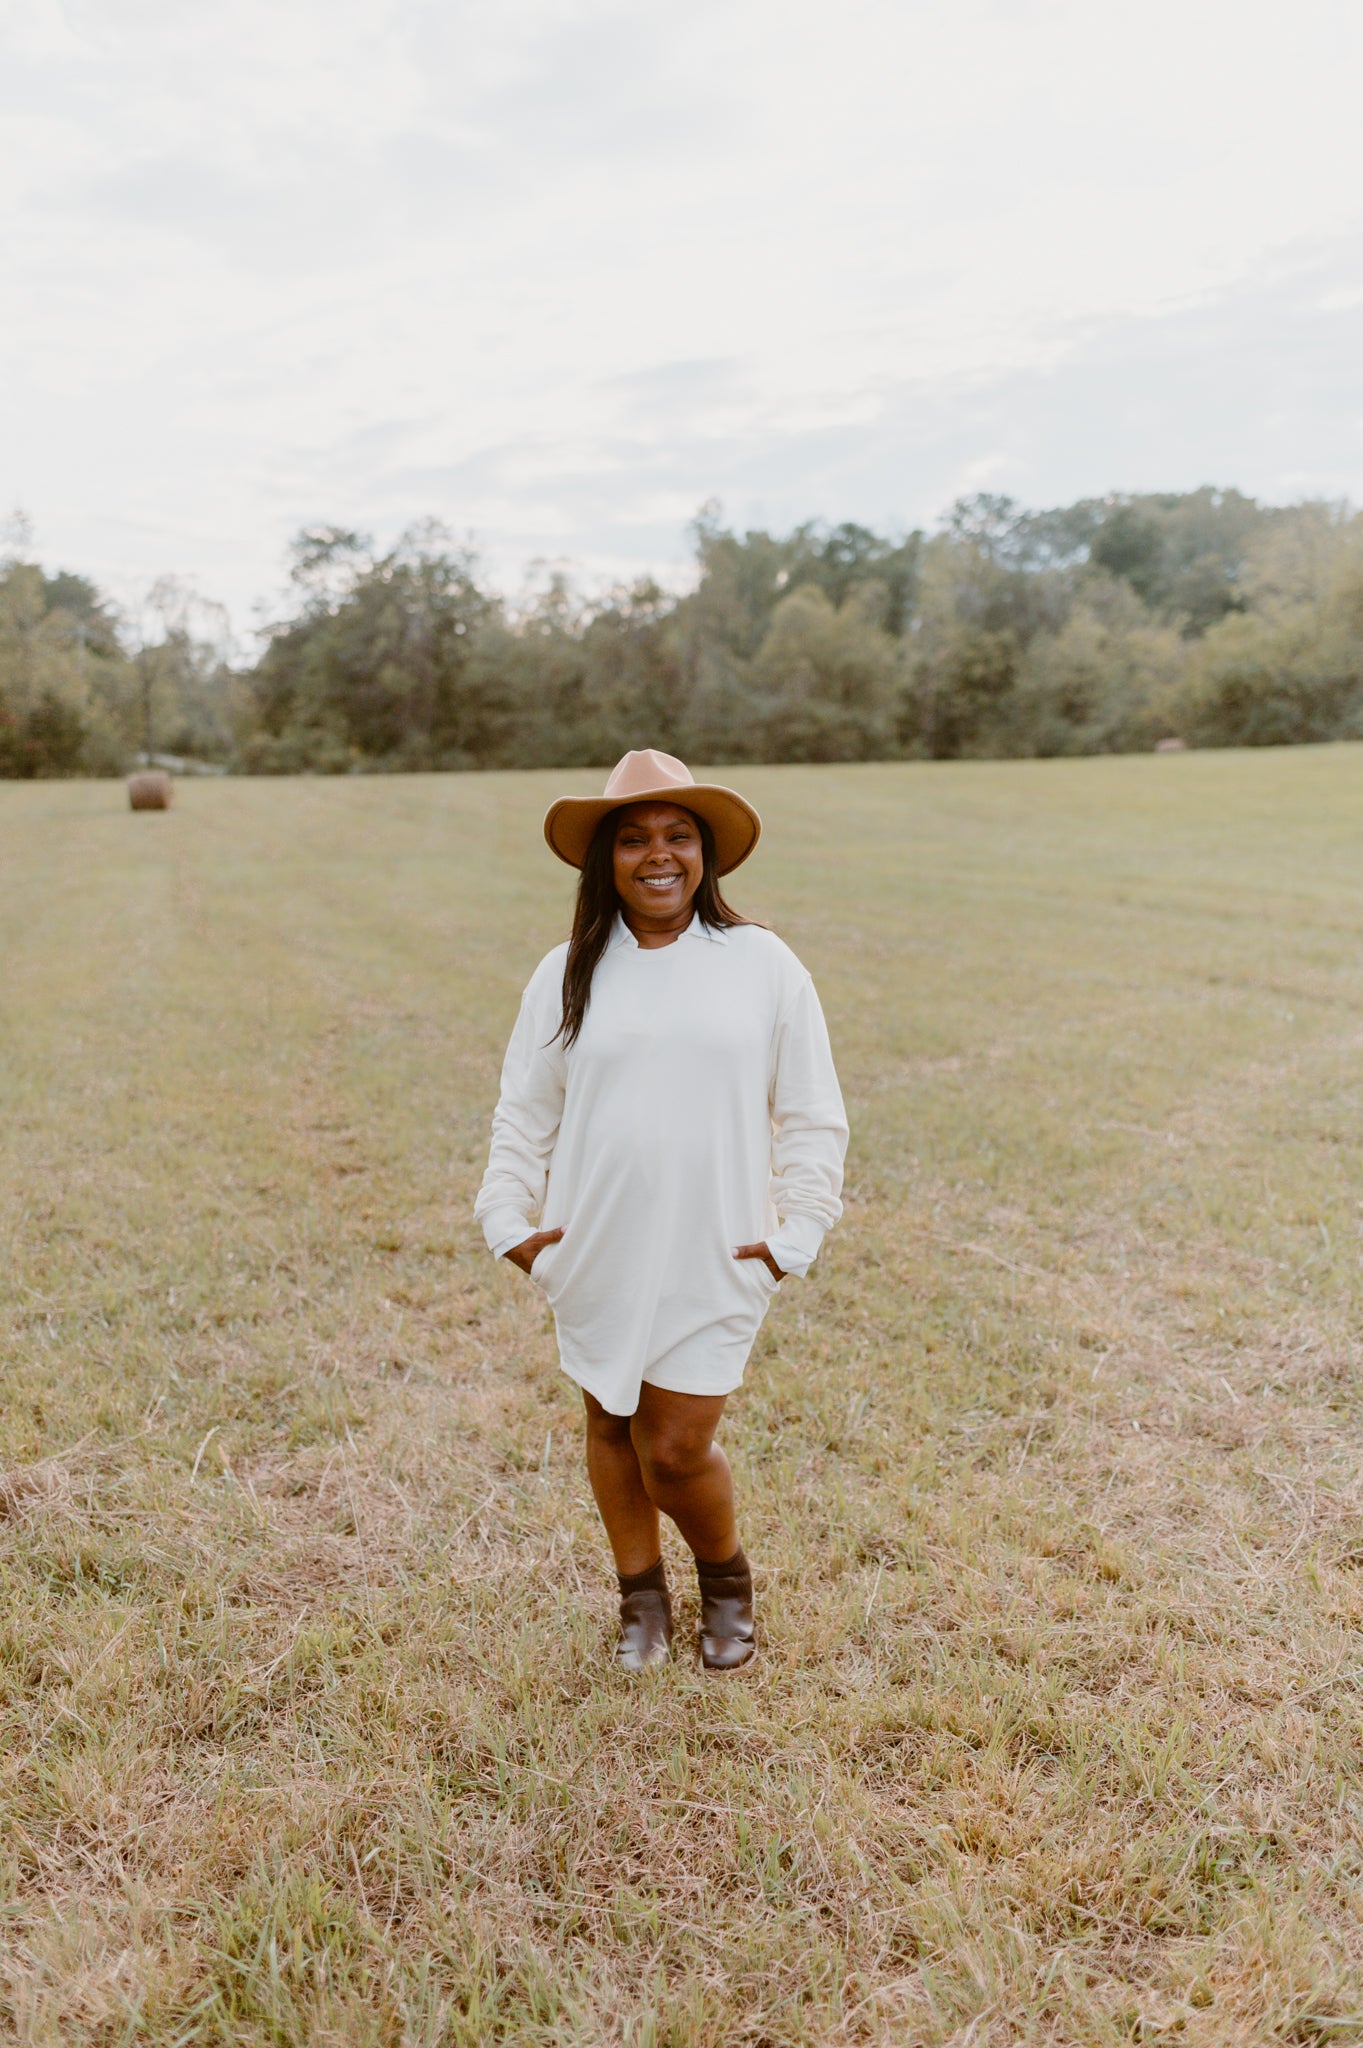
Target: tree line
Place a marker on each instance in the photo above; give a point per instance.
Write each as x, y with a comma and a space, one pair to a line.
1100, 627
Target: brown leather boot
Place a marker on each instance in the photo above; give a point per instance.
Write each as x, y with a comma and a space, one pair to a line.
645, 1620
728, 1630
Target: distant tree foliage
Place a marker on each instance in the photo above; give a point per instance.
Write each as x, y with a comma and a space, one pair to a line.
1099, 627
83, 694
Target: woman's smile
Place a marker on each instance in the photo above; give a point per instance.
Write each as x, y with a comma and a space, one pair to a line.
649, 832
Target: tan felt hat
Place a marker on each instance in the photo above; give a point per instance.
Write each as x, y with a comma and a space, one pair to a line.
647, 776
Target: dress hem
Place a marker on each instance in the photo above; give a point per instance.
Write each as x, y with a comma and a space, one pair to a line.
725, 1383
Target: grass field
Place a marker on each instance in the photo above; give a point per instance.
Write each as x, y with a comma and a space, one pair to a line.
308, 1728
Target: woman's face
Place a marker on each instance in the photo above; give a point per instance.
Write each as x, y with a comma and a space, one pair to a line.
658, 863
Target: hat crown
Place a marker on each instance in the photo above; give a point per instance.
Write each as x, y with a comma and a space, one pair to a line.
645, 769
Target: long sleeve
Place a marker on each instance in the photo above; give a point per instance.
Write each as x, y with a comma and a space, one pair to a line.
809, 1132
524, 1127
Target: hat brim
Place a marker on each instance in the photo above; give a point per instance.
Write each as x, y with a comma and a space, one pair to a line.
570, 824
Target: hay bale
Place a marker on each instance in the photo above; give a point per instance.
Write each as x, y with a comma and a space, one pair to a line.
150, 790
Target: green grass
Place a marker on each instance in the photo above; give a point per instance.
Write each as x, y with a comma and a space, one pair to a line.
308, 1727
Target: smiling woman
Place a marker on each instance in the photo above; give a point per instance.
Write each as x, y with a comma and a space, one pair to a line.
669, 1104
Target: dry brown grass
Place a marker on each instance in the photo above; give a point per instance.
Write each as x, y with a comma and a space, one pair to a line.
1052, 1474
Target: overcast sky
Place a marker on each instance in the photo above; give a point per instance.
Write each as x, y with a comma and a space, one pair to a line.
557, 271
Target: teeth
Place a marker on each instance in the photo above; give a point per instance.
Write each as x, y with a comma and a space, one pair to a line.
659, 881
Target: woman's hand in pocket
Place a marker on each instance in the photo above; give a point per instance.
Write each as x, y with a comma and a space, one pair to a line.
525, 1254
755, 1251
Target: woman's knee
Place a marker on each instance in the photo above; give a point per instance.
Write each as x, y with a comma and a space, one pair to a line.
671, 1457
605, 1428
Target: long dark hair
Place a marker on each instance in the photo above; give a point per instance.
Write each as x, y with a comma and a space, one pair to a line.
597, 905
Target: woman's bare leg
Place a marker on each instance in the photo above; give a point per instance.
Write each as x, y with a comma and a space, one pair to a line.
682, 1469
662, 1457
630, 1517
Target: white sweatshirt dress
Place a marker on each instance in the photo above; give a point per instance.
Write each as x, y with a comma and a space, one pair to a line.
697, 1110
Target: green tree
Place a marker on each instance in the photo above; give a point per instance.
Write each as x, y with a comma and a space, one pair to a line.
824, 684
1182, 553
376, 670
1109, 681
62, 673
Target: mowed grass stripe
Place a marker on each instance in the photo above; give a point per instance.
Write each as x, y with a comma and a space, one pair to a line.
307, 1723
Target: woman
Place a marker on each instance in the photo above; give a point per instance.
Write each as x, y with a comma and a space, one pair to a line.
669, 1103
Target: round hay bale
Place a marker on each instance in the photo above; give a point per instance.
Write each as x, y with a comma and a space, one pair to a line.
150, 790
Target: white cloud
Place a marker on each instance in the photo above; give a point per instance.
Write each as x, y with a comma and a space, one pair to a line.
555, 270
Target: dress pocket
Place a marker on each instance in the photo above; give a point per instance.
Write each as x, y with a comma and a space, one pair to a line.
764, 1274
541, 1264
